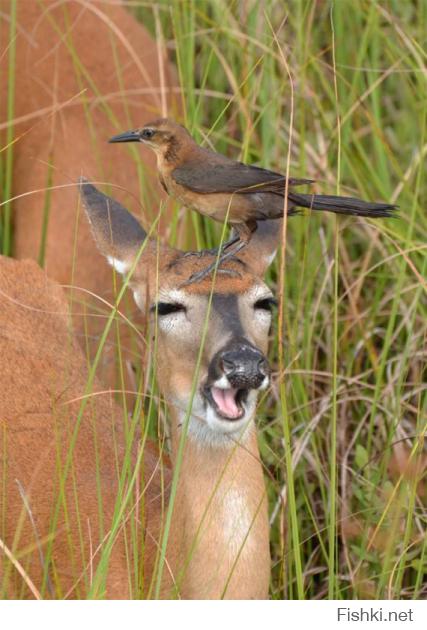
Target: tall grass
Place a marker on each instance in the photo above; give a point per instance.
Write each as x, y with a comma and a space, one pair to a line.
6, 222
358, 73
342, 428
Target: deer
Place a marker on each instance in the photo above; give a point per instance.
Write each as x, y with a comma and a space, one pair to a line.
56, 502
221, 505
205, 529
69, 97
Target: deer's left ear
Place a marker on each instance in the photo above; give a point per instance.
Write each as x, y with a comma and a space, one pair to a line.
262, 248
122, 240
117, 233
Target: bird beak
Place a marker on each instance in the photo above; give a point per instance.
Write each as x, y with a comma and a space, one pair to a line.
127, 136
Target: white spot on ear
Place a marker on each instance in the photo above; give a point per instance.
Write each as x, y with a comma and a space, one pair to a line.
119, 265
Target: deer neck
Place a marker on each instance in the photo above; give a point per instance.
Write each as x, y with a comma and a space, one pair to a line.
219, 538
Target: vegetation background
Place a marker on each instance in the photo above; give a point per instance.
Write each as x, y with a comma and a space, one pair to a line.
344, 85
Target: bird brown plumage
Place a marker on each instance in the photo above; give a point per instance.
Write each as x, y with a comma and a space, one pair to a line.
227, 190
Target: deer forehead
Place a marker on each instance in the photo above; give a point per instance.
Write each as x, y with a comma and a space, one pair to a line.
232, 277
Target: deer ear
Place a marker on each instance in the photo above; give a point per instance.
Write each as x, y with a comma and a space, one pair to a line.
261, 250
117, 233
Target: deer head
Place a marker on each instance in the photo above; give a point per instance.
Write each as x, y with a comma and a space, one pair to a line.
219, 325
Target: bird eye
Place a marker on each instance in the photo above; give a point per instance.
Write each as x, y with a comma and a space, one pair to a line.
147, 133
167, 308
266, 304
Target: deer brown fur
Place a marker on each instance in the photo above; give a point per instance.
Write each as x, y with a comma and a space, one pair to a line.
82, 68
44, 375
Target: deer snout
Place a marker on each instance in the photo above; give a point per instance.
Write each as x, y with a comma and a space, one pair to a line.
244, 366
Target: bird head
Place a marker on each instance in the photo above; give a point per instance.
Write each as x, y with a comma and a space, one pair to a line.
160, 135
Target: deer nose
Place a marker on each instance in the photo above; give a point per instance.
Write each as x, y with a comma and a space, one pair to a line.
244, 366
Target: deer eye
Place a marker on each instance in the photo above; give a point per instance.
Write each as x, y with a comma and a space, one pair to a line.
167, 308
266, 304
147, 133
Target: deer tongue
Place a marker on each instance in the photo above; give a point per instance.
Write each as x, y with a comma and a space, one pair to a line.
225, 400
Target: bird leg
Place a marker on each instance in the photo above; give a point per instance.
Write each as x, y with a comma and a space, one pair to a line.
215, 250
196, 277
244, 235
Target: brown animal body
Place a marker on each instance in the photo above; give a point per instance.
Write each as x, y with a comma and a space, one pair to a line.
59, 538
81, 67
57, 513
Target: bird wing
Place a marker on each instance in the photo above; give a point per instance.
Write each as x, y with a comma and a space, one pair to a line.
230, 177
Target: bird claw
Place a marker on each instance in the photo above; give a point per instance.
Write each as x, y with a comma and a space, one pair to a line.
214, 251
202, 253
230, 255
230, 272
201, 275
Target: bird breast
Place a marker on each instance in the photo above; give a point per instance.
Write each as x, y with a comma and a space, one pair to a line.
218, 206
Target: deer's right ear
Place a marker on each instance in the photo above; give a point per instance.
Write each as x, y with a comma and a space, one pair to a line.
261, 250
117, 233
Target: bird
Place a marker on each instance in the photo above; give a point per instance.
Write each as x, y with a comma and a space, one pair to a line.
228, 190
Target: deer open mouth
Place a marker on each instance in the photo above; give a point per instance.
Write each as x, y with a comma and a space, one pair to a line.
228, 403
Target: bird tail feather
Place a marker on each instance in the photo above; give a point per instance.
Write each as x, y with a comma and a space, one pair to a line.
342, 205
